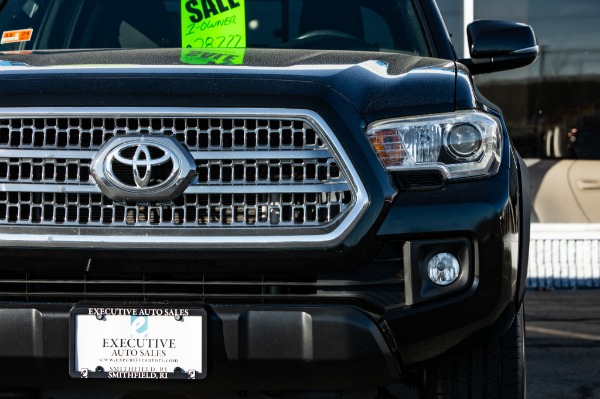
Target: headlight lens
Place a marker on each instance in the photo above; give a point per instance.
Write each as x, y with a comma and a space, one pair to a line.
460, 144
464, 142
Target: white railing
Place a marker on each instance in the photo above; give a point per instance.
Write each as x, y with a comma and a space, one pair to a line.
564, 256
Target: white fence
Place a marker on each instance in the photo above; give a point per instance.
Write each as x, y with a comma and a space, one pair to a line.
564, 256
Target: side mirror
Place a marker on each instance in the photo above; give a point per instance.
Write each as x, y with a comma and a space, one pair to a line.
499, 46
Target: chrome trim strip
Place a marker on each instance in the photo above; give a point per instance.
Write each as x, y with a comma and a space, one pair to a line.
47, 154
167, 242
171, 240
147, 112
50, 188
259, 154
274, 188
197, 155
198, 189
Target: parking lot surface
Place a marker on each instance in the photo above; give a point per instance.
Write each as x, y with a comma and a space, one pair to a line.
563, 345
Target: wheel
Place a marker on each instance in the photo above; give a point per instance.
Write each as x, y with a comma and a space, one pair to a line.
496, 370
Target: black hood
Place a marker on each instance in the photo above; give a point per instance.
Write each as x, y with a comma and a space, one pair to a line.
372, 82
277, 58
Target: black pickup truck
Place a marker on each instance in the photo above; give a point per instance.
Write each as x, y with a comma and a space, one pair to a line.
282, 198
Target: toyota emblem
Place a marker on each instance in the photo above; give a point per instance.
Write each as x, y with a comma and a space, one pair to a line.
151, 168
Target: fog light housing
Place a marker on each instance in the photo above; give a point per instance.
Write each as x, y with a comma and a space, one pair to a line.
443, 269
437, 268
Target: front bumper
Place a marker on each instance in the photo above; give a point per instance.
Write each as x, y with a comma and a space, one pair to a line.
345, 326
321, 347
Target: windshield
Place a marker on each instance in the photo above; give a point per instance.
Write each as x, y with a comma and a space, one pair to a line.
386, 25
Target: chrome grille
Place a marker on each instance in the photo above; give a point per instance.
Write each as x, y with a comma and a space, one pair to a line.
215, 134
188, 210
269, 171
255, 169
44, 170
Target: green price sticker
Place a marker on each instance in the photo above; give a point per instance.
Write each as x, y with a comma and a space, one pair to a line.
218, 56
213, 24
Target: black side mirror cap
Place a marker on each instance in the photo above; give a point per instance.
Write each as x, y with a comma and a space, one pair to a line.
499, 46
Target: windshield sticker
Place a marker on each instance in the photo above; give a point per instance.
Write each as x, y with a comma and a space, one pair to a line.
16, 36
213, 24
221, 56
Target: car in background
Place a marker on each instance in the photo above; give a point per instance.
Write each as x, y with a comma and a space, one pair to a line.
566, 182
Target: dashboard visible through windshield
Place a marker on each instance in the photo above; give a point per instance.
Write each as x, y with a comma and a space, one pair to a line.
304, 24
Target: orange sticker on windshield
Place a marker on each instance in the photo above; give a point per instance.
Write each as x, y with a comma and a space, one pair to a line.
16, 36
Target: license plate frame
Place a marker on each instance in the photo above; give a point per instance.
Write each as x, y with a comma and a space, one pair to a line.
138, 342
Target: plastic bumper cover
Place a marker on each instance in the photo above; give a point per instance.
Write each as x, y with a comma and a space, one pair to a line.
317, 347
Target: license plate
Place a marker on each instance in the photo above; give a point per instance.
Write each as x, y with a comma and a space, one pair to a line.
138, 342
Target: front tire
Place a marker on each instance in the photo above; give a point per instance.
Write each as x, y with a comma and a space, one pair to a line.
496, 370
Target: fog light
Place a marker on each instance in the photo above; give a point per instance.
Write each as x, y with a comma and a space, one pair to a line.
443, 269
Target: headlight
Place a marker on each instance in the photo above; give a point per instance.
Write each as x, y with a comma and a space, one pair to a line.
459, 144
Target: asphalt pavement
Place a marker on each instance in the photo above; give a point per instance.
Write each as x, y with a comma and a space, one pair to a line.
563, 345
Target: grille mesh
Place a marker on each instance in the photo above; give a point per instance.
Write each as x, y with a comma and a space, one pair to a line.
40, 170
188, 210
269, 171
215, 134
250, 172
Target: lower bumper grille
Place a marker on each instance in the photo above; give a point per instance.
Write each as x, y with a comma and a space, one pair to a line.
377, 287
